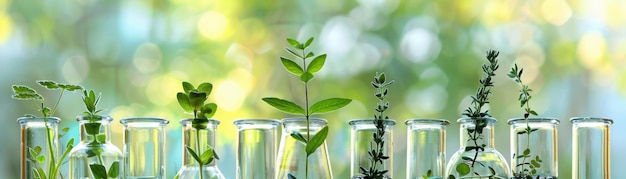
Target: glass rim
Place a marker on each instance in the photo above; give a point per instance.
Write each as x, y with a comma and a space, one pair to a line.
389, 122
25, 119
209, 120
591, 119
427, 120
302, 119
273, 122
145, 120
84, 118
534, 119
468, 119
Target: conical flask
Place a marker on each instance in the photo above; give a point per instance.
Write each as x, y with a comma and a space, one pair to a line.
477, 157
591, 147
256, 148
534, 148
426, 148
292, 154
199, 136
95, 156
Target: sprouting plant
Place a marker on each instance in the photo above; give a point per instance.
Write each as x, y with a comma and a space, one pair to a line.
92, 128
524, 168
376, 154
193, 100
305, 72
22, 92
476, 113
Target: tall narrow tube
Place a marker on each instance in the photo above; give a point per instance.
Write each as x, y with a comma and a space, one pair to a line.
591, 152
144, 147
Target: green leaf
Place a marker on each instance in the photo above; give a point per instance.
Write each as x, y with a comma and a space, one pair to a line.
527, 151
293, 42
48, 84
296, 135
40, 159
208, 110
206, 87
92, 128
533, 112
101, 138
187, 87
35, 97
98, 171
38, 150
193, 154
207, 156
196, 99
291, 66
308, 42
537, 165
316, 64
328, 105
69, 87
284, 105
183, 101
114, 170
463, 169
316, 141
21, 89
451, 177
306, 77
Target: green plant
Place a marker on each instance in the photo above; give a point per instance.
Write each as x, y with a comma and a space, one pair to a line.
476, 113
193, 100
92, 128
305, 72
524, 99
22, 92
376, 154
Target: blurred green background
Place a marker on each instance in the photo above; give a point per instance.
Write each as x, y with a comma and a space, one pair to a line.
137, 53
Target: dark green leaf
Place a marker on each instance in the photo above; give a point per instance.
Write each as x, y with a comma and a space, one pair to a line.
37, 149
114, 170
328, 105
35, 97
193, 154
92, 128
183, 101
206, 87
293, 43
284, 105
316, 141
21, 89
291, 66
196, 99
463, 169
527, 151
535, 163
451, 177
187, 87
316, 64
533, 112
306, 77
296, 135
48, 84
209, 110
98, 171
69, 87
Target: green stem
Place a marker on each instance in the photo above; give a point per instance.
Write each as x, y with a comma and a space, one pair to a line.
51, 168
198, 149
306, 104
57, 103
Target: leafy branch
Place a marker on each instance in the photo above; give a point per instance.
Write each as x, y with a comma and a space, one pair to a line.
193, 100
377, 155
524, 98
306, 72
22, 92
92, 128
476, 113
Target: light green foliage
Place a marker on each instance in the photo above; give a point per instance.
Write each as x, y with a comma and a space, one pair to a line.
22, 92
98, 170
524, 169
306, 72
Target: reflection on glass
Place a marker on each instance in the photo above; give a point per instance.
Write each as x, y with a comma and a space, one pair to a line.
144, 146
426, 147
291, 153
361, 144
534, 148
591, 152
256, 148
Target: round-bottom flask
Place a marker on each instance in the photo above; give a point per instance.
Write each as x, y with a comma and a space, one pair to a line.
95, 156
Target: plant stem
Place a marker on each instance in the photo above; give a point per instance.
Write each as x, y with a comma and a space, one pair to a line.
51, 168
198, 149
306, 105
57, 103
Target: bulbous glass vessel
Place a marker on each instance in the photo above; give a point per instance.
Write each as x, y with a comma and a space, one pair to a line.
199, 136
292, 154
477, 157
95, 156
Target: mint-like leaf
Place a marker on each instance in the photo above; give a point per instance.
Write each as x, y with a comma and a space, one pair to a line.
328, 105
316, 141
284, 105
291, 66
316, 64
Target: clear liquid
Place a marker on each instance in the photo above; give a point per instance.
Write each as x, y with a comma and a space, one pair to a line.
256, 153
34, 135
143, 152
542, 144
425, 151
362, 143
591, 155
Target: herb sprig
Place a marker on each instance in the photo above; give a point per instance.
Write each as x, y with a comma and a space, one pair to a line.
193, 100
306, 72
376, 154
526, 169
22, 92
477, 114
92, 128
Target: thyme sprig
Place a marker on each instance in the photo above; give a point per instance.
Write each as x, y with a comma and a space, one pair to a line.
377, 155
526, 169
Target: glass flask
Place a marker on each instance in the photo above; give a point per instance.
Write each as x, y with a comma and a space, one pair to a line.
362, 143
534, 154
591, 152
144, 148
199, 136
35, 132
477, 157
95, 156
426, 148
256, 148
292, 155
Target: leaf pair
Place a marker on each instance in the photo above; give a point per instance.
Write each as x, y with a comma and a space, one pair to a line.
306, 74
323, 106
193, 100
100, 172
314, 143
207, 156
91, 101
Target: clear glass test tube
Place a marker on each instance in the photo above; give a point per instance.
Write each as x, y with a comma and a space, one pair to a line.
591, 149
144, 148
256, 148
426, 147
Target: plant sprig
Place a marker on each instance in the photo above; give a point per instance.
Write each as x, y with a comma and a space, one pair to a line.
305, 71
376, 154
22, 92
524, 98
193, 100
477, 113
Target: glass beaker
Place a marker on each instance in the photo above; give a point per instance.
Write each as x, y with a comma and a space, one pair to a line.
591, 149
362, 143
477, 157
199, 135
292, 155
95, 156
38, 140
144, 148
426, 148
534, 148
256, 148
